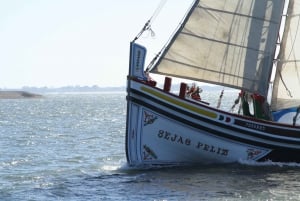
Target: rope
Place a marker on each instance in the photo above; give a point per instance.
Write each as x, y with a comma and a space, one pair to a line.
289, 55
220, 99
285, 86
295, 117
237, 100
147, 25
158, 9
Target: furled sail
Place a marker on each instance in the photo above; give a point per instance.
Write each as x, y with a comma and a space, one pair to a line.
230, 43
286, 89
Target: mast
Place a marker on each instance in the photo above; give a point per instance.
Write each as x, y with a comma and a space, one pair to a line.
277, 50
287, 79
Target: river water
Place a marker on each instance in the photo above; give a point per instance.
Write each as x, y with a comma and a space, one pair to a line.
71, 147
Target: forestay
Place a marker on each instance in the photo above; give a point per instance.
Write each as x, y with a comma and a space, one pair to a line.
286, 90
230, 43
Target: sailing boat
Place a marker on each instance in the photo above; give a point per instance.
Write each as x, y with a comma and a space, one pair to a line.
249, 45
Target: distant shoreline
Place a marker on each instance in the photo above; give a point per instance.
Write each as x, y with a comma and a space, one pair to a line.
38, 92
18, 95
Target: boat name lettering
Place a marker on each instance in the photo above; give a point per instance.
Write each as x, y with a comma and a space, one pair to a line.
138, 58
176, 138
213, 149
255, 126
173, 137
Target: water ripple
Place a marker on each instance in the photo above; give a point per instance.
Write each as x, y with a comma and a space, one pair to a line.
71, 147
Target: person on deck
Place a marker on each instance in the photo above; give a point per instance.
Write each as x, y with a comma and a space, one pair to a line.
196, 94
191, 90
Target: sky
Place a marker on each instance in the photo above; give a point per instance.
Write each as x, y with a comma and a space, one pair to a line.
55, 43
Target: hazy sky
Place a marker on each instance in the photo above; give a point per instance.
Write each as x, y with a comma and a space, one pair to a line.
76, 42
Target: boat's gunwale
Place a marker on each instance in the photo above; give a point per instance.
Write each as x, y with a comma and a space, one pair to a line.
273, 132
203, 104
276, 141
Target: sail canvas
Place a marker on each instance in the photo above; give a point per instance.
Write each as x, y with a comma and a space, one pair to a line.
287, 82
230, 43
242, 44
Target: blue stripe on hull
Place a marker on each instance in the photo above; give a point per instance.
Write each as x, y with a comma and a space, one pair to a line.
285, 143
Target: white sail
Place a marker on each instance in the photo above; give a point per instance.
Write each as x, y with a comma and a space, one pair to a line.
286, 90
226, 42
230, 43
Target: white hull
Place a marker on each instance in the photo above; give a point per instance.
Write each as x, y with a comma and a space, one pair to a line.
255, 42
164, 129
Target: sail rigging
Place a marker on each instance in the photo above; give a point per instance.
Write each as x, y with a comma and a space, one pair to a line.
244, 44
147, 25
230, 43
287, 80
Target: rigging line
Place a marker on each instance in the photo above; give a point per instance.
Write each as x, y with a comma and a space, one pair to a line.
293, 43
238, 14
158, 9
290, 53
147, 25
157, 59
220, 98
284, 84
